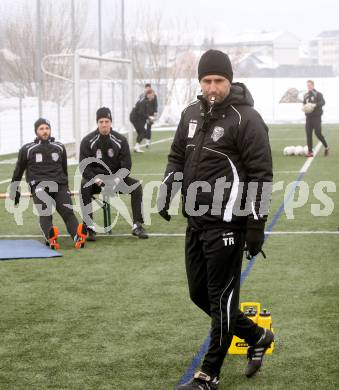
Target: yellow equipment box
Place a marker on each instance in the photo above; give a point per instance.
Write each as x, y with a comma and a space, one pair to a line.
262, 318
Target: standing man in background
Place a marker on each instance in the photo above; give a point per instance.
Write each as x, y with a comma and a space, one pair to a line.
220, 143
45, 163
313, 108
153, 112
142, 119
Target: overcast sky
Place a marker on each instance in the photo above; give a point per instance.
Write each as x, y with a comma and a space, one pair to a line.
215, 18
305, 18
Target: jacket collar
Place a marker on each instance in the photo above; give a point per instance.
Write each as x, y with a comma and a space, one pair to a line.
38, 140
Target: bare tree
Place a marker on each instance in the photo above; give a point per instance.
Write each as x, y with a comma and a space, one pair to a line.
19, 68
159, 54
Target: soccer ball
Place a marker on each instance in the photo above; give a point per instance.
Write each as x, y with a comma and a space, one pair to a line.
289, 150
308, 108
299, 150
305, 149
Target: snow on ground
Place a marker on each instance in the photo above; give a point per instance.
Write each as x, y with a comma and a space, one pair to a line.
266, 92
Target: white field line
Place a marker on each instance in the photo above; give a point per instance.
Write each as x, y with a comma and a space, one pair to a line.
274, 172
72, 161
309, 160
277, 233
160, 141
287, 139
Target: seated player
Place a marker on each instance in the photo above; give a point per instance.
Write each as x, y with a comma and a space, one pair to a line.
109, 152
45, 163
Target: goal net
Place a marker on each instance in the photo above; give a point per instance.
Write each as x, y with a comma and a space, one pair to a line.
96, 81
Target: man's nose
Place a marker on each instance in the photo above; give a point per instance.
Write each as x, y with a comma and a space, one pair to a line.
213, 87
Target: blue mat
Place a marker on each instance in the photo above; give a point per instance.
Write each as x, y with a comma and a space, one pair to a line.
25, 249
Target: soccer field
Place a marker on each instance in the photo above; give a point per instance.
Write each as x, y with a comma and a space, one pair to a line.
117, 315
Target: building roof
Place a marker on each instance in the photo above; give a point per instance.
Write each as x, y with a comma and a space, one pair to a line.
253, 37
329, 34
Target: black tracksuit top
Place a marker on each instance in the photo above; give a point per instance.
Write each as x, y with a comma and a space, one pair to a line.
144, 108
111, 149
317, 98
42, 161
231, 142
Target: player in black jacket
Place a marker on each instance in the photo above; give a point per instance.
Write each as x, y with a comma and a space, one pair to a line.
313, 107
109, 168
142, 118
45, 163
153, 112
222, 154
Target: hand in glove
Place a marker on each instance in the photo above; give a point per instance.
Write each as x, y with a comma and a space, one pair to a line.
163, 201
17, 197
255, 236
14, 193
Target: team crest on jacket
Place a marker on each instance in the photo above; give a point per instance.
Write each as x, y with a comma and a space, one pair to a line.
110, 152
99, 154
55, 157
218, 132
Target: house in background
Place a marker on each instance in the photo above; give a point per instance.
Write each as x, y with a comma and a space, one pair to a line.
325, 49
281, 46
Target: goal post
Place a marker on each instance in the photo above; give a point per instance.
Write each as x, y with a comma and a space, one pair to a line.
76, 77
82, 87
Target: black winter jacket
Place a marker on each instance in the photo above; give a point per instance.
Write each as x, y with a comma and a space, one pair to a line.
232, 143
42, 161
112, 149
143, 109
317, 98
153, 103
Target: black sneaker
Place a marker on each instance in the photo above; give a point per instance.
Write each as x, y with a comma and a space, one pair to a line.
139, 231
200, 381
255, 353
91, 235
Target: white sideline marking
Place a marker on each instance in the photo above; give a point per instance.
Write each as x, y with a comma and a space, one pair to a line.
11, 161
309, 160
5, 181
287, 139
304, 232
148, 174
158, 142
285, 172
73, 161
281, 233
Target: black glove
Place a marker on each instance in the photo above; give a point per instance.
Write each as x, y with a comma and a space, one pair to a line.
255, 236
163, 201
14, 193
164, 214
17, 197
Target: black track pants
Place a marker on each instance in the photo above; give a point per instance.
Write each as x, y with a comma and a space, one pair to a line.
139, 124
88, 192
213, 266
148, 131
44, 199
314, 123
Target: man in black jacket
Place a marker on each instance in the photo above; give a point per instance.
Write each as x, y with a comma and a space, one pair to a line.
313, 108
153, 112
105, 162
142, 118
45, 163
222, 154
